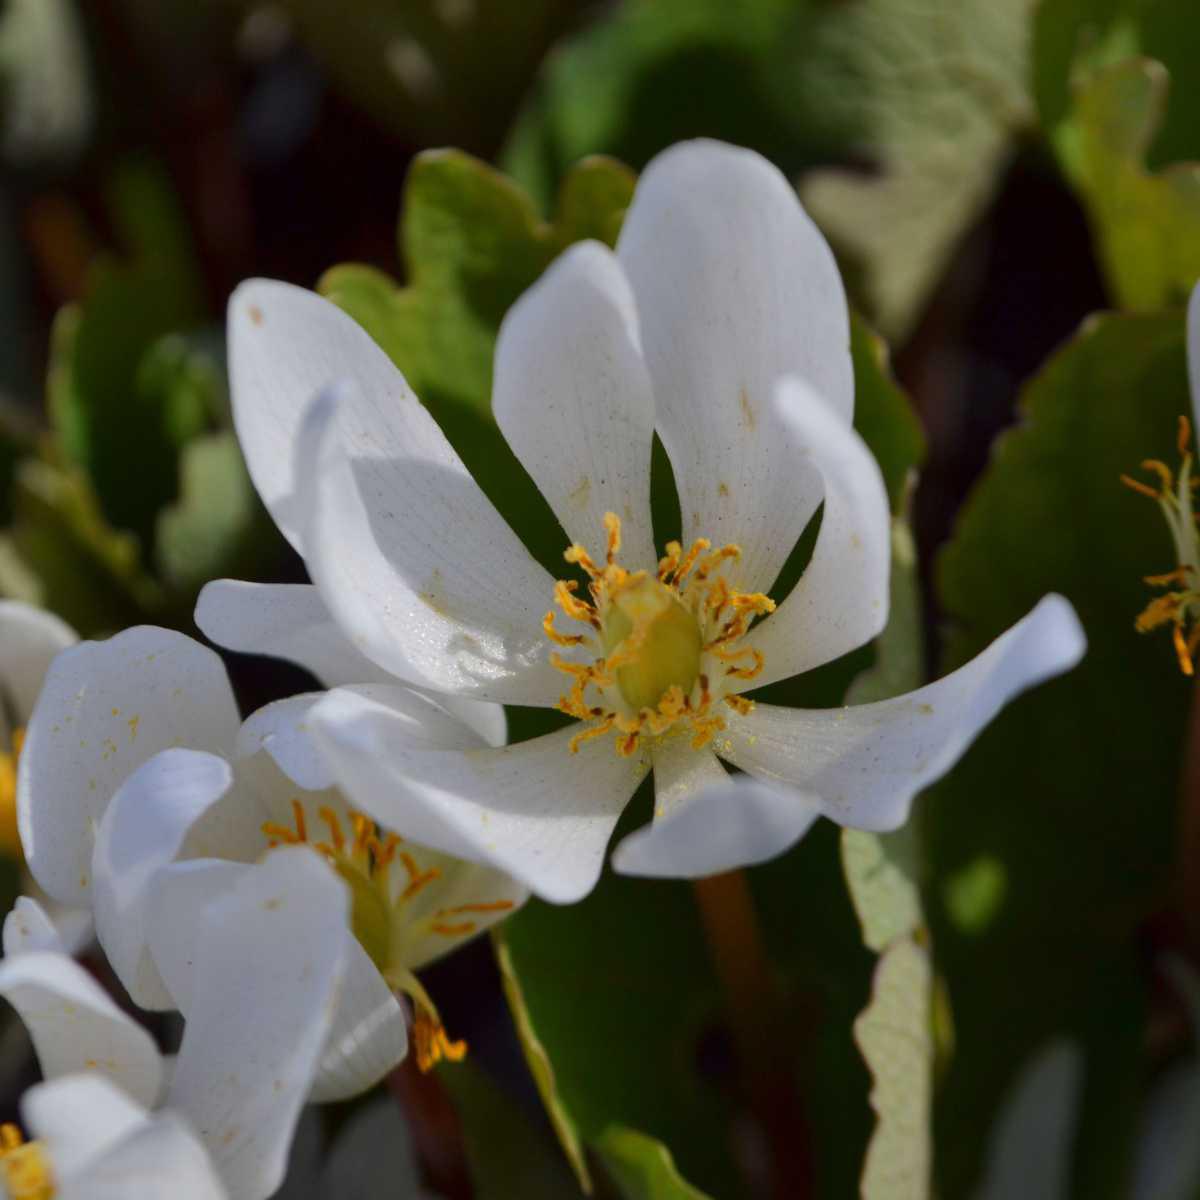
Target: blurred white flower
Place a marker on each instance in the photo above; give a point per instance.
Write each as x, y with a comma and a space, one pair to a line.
116, 813
720, 322
269, 958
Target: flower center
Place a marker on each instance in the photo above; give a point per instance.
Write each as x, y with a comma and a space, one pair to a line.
1178, 607
10, 840
668, 641
384, 878
24, 1167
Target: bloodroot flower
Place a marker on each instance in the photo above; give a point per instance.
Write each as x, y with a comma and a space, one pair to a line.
721, 324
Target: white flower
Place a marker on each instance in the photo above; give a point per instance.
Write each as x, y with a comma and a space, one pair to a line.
29, 640
720, 322
141, 797
269, 957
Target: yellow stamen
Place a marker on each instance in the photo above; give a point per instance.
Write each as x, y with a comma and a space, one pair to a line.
25, 1172
430, 1041
10, 838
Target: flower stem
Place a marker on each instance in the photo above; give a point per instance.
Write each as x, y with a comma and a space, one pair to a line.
756, 1019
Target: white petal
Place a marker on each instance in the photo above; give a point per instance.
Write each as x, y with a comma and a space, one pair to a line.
281, 729
735, 289
865, 764
722, 825
161, 1158
29, 640
283, 620
415, 563
533, 810
1193, 352
105, 709
572, 397
369, 1036
178, 894
141, 832
285, 345
841, 600
268, 960
76, 1027
29, 927
78, 1117
467, 898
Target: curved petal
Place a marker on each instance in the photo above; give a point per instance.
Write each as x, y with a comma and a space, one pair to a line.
369, 1036
141, 832
864, 765
76, 1027
29, 927
105, 709
572, 397
162, 1157
177, 894
735, 288
841, 600
733, 824
281, 729
285, 344
269, 958
29, 640
414, 562
78, 1117
283, 620
533, 809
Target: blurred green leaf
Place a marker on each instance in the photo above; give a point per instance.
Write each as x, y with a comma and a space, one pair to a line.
895, 1037
218, 526
642, 1168
1071, 792
60, 553
1147, 224
472, 242
106, 411
612, 1019
926, 95
508, 1154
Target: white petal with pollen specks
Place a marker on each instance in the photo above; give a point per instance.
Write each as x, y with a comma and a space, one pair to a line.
162, 1157
76, 1027
414, 562
269, 959
735, 288
29, 640
283, 620
369, 1036
572, 397
865, 764
533, 809
105, 709
28, 927
722, 823
281, 729
78, 1117
141, 832
841, 600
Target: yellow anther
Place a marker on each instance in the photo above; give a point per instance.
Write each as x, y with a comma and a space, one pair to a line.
595, 731
430, 1041
460, 930
578, 555
612, 527
10, 838
1138, 486
25, 1172
418, 880
1161, 470
560, 639
1183, 436
330, 819
486, 906
740, 704
698, 548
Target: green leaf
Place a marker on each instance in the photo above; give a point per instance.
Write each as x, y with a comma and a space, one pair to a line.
218, 526
1147, 223
61, 554
1070, 795
508, 1154
894, 1035
642, 1168
472, 243
106, 413
612, 1020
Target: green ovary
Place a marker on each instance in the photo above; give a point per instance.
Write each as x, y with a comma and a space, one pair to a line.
666, 643
370, 914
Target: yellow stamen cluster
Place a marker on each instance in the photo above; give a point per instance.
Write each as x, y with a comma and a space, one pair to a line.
383, 877
668, 643
1179, 607
24, 1168
10, 841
